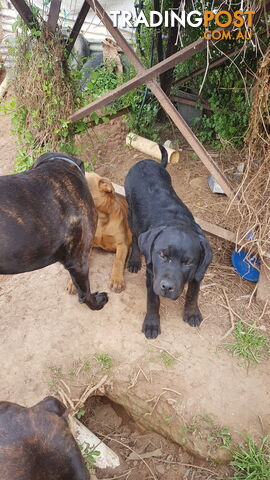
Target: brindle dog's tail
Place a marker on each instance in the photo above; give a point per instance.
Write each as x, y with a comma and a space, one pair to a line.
164, 156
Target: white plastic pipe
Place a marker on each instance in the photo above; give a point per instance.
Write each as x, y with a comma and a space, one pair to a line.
151, 148
107, 457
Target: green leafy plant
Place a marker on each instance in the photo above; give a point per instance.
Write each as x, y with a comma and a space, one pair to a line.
252, 461
56, 375
168, 419
80, 413
86, 366
89, 456
45, 94
105, 360
249, 345
221, 436
167, 359
56, 371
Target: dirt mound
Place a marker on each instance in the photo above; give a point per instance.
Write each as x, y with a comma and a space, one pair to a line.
183, 385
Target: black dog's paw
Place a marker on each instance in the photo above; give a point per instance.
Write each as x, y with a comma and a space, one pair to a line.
193, 318
134, 266
101, 298
151, 326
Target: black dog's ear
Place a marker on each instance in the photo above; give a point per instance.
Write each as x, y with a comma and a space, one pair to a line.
206, 255
53, 405
145, 242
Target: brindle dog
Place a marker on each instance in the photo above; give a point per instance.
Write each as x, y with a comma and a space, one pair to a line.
47, 215
36, 443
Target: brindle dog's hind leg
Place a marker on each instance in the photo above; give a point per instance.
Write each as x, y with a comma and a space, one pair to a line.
77, 263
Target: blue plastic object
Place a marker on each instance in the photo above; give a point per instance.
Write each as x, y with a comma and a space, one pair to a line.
244, 267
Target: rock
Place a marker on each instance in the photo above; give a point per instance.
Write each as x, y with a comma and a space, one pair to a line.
168, 144
160, 468
214, 186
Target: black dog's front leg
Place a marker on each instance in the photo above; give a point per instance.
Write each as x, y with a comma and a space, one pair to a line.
134, 262
192, 314
151, 324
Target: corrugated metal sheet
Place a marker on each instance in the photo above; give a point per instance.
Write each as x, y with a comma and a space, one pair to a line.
92, 29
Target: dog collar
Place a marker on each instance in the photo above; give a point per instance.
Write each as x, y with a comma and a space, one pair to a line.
68, 160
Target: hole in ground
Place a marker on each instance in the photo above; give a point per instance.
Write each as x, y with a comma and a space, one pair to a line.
159, 457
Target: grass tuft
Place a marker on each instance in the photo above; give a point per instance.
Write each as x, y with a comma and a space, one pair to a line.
250, 345
252, 461
105, 360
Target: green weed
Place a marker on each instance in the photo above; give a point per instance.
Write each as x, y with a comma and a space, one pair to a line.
56, 371
168, 419
250, 345
252, 461
167, 359
86, 366
80, 413
192, 427
89, 456
105, 360
221, 436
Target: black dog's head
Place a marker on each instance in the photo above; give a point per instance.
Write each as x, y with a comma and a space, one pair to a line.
37, 443
178, 255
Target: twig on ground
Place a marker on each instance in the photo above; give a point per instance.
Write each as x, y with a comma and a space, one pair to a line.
134, 451
156, 402
173, 391
65, 399
252, 295
166, 351
87, 392
186, 465
119, 476
144, 374
263, 312
65, 385
135, 378
231, 317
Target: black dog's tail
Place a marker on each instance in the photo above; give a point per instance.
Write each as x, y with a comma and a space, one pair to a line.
164, 156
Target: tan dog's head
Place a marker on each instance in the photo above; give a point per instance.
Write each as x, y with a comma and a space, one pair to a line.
101, 189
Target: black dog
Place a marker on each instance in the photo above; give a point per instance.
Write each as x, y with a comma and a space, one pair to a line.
36, 443
175, 248
47, 215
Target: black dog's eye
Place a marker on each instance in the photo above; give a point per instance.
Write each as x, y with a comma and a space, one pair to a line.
162, 255
186, 261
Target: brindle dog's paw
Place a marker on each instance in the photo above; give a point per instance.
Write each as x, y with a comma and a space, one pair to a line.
151, 326
101, 298
70, 287
117, 285
193, 318
134, 266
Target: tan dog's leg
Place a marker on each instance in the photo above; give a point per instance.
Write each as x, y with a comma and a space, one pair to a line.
117, 276
72, 290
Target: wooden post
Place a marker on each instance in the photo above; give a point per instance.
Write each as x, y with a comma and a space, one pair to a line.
263, 290
26, 13
77, 27
54, 15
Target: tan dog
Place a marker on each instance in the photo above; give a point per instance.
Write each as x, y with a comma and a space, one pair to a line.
112, 233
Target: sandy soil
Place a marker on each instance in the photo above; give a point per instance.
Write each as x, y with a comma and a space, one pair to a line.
164, 460
42, 326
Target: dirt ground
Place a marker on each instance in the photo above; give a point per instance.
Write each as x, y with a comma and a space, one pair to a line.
183, 378
163, 459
